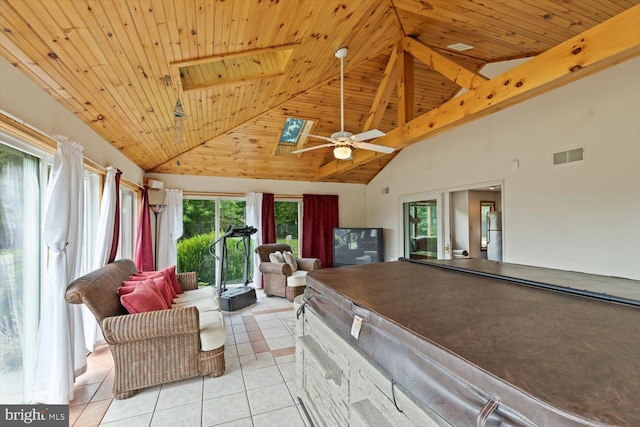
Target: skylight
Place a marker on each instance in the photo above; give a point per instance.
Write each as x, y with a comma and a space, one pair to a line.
291, 130
293, 136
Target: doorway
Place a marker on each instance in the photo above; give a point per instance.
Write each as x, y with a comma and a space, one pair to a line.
448, 223
469, 209
421, 229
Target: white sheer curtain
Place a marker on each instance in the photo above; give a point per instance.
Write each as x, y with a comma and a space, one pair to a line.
170, 229
61, 353
104, 240
254, 218
19, 277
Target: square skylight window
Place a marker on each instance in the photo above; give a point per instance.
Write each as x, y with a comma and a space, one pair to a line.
293, 136
291, 130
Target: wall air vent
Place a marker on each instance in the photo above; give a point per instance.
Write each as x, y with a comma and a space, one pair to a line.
568, 156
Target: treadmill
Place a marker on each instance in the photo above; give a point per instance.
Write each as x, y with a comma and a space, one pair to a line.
235, 298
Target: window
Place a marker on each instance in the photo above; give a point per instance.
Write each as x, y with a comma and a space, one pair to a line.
205, 221
292, 137
91, 218
199, 232
128, 209
288, 224
291, 130
24, 173
23, 178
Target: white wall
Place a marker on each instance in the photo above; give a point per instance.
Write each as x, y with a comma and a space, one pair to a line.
351, 197
22, 98
583, 216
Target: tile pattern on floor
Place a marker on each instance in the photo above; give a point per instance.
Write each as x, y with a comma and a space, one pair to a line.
255, 390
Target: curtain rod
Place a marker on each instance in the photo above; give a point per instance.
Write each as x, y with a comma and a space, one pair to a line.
49, 144
221, 194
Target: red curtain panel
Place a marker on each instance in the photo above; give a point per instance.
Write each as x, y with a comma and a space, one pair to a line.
268, 218
320, 217
116, 222
144, 246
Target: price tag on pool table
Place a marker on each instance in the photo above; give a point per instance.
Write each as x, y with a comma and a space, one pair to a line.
355, 327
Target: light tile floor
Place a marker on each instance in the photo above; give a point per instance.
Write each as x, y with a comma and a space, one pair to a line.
257, 388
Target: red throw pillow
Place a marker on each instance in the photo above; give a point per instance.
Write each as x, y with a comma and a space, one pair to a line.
129, 286
127, 289
174, 279
143, 298
162, 273
159, 281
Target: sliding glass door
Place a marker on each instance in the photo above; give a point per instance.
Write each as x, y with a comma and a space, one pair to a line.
21, 179
205, 221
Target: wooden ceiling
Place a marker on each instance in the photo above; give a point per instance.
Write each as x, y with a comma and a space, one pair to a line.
242, 67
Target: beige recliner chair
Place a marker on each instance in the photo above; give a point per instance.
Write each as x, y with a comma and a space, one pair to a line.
279, 278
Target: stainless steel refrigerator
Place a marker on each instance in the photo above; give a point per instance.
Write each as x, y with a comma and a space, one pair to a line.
494, 236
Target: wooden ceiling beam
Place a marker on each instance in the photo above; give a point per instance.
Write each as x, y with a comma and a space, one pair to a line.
405, 86
383, 95
597, 48
450, 69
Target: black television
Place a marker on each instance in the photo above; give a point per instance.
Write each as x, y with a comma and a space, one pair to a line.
353, 246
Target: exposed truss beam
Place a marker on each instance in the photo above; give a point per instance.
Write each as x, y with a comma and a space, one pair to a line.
405, 86
602, 46
450, 69
383, 95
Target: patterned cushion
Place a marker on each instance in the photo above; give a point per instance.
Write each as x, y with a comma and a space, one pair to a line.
276, 257
290, 259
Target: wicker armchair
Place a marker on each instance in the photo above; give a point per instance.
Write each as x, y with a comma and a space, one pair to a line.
148, 348
278, 277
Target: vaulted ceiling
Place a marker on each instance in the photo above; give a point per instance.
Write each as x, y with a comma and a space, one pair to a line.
240, 68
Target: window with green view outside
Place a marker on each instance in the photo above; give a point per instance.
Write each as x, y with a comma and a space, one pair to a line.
204, 221
287, 224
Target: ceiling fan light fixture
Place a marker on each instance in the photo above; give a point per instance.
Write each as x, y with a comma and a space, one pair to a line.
344, 142
460, 47
342, 153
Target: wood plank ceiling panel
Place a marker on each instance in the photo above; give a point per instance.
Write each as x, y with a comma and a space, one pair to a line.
109, 63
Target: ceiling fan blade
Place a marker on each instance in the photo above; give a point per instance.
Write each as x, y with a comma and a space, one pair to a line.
326, 138
374, 147
370, 134
311, 148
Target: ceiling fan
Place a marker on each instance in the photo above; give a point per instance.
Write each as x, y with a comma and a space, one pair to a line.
344, 142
